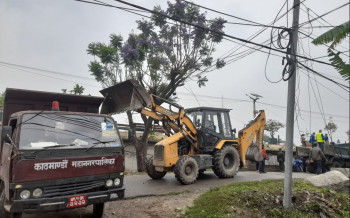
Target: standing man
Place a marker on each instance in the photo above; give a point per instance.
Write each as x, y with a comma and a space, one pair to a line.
262, 163
326, 139
280, 159
312, 139
303, 140
320, 139
317, 156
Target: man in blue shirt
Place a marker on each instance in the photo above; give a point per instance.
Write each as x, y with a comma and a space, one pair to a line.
312, 138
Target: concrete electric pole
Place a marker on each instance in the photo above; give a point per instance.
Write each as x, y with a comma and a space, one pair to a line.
287, 197
254, 97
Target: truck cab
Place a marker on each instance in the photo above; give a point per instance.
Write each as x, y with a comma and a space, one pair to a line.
52, 159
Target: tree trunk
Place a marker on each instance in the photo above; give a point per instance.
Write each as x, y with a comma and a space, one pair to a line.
132, 132
141, 147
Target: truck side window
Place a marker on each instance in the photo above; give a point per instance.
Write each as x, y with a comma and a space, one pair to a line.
13, 124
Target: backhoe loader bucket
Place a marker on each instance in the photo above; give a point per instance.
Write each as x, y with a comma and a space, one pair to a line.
124, 96
253, 153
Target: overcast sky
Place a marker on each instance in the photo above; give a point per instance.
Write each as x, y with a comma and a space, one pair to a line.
53, 35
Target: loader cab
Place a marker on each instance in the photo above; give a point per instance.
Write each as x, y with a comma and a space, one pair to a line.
213, 125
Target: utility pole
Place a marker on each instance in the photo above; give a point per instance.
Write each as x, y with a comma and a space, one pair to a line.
255, 98
287, 197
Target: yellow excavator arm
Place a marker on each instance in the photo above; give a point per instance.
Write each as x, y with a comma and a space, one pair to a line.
254, 130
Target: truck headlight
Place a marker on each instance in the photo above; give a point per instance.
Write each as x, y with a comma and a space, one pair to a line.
25, 194
116, 181
109, 182
37, 192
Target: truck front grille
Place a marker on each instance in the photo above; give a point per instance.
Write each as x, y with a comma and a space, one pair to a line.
73, 188
158, 152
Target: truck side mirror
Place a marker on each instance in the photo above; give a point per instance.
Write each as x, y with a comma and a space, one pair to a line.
6, 130
234, 130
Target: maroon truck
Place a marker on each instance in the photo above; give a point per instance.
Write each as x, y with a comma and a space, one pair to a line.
57, 156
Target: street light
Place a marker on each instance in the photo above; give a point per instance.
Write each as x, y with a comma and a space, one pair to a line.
254, 97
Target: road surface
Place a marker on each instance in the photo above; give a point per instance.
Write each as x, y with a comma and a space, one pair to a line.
142, 185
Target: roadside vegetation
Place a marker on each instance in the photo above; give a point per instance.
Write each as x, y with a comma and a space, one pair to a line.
265, 199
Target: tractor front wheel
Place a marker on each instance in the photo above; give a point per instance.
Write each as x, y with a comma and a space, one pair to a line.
226, 162
186, 170
151, 170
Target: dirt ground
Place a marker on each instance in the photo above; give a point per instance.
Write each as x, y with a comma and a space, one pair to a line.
173, 205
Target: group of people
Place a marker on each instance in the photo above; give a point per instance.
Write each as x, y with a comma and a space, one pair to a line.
316, 155
318, 138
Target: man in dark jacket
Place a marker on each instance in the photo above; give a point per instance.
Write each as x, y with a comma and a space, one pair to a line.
280, 159
317, 156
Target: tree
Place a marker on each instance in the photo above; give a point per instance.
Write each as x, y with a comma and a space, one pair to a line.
106, 67
77, 90
2, 98
64, 90
162, 56
330, 127
336, 35
273, 126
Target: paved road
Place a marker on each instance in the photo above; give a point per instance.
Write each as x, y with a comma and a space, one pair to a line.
142, 185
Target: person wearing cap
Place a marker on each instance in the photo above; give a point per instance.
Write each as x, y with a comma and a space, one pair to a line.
320, 139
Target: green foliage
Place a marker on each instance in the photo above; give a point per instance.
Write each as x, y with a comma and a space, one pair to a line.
171, 53
106, 65
265, 199
273, 126
339, 64
64, 90
331, 127
77, 90
2, 98
336, 35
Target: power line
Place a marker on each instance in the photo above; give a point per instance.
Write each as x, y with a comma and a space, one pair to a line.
216, 32
318, 17
244, 100
321, 75
49, 71
326, 87
47, 75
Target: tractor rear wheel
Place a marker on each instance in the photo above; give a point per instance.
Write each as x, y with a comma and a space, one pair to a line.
151, 170
226, 162
186, 170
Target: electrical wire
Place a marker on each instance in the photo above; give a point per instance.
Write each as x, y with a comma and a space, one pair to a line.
216, 32
49, 71
48, 76
318, 17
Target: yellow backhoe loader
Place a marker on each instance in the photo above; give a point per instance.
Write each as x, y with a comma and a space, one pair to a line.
200, 138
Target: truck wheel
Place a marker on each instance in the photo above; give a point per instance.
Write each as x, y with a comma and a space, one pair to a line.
151, 170
186, 170
97, 211
226, 162
3, 212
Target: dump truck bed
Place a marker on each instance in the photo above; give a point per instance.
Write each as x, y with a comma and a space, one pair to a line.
23, 100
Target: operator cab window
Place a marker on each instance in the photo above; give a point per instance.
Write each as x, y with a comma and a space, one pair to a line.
196, 118
212, 121
226, 124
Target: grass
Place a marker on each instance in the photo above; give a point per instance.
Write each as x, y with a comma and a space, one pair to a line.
265, 199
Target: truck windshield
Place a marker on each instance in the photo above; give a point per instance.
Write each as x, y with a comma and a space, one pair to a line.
66, 131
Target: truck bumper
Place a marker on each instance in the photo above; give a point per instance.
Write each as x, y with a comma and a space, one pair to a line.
60, 203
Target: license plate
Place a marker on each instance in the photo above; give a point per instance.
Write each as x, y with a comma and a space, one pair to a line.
77, 201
